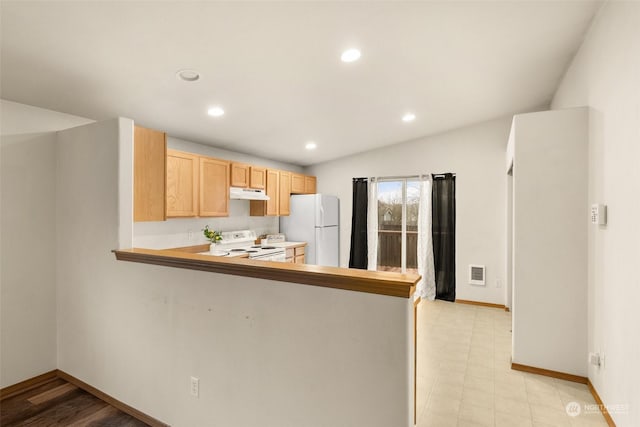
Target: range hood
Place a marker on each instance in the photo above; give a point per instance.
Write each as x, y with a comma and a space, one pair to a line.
247, 194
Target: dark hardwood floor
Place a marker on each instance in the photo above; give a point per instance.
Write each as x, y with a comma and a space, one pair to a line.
59, 403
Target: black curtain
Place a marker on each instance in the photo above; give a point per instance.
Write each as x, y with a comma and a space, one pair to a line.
444, 235
358, 256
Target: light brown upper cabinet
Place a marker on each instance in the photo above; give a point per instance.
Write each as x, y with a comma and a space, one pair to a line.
199, 186
268, 207
257, 177
239, 175
285, 193
214, 187
182, 184
302, 184
149, 169
310, 185
297, 183
243, 175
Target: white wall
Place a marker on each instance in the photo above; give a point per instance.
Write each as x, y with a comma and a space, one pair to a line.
476, 155
28, 256
508, 291
27, 269
18, 119
176, 232
266, 353
550, 220
605, 74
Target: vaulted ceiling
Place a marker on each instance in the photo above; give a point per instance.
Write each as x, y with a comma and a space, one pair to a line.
275, 66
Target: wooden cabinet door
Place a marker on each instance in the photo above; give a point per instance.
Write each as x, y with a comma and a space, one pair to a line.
214, 187
268, 207
297, 183
149, 174
310, 185
285, 193
239, 175
182, 184
257, 177
272, 205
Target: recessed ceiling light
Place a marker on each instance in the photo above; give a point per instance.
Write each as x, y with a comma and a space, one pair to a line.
188, 75
310, 146
215, 112
350, 55
409, 117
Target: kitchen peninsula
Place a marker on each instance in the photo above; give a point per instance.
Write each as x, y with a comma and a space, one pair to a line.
375, 282
349, 336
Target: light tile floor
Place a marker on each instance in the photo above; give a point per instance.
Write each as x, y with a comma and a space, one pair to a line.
464, 375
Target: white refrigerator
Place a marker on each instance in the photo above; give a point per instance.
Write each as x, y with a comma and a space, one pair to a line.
315, 219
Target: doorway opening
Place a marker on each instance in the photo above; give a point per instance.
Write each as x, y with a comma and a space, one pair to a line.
398, 203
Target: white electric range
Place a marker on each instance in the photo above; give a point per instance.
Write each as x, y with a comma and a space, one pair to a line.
242, 242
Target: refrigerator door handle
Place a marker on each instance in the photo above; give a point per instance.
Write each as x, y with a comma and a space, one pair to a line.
321, 216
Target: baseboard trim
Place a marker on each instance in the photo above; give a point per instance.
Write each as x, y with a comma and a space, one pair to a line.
549, 373
42, 379
482, 304
111, 400
569, 377
601, 406
28, 384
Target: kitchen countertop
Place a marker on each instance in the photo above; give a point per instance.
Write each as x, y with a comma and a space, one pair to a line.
287, 245
375, 282
200, 249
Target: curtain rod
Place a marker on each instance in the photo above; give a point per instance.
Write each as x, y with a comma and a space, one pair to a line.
385, 178
390, 178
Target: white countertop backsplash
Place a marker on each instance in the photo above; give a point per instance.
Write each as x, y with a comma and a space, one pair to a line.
178, 232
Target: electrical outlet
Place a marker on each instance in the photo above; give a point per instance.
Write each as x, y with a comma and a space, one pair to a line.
195, 387
498, 283
190, 235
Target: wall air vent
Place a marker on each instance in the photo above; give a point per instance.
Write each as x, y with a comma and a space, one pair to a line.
476, 274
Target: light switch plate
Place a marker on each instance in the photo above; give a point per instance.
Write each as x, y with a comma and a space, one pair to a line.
599, 214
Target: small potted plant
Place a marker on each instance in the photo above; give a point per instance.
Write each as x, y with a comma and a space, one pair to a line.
213, 236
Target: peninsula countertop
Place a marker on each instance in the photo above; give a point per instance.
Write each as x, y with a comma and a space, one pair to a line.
376, 282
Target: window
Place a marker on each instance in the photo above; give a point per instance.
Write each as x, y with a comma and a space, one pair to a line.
398, 201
